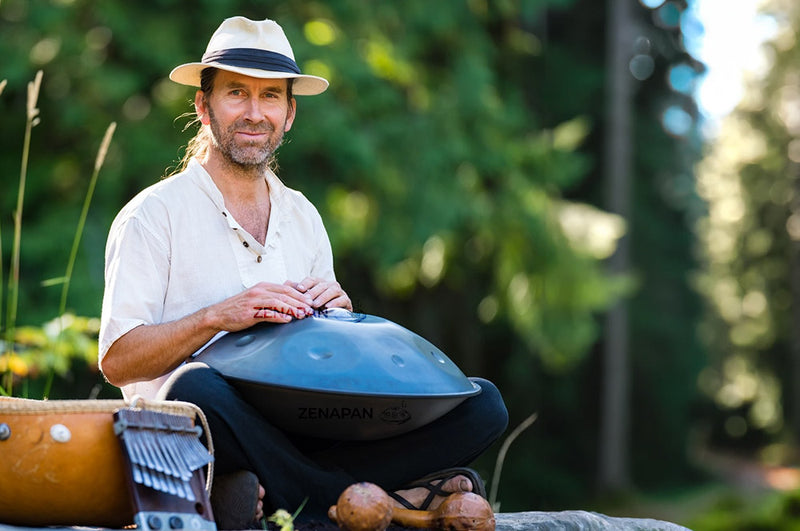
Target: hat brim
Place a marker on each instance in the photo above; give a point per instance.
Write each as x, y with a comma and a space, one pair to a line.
303, 85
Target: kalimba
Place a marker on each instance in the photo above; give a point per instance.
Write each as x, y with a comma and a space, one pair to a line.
163, 452
104, 463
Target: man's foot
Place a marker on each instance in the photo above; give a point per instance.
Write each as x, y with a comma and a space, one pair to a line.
260, 504
237, 501
428, 493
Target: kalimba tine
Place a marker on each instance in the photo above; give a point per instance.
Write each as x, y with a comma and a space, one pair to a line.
104, 463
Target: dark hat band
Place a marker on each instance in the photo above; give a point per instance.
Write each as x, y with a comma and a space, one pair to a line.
252, 58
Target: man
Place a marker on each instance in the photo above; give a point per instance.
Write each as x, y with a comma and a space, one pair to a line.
223, 245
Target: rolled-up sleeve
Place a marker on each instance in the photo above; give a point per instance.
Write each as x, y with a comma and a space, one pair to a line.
136, 277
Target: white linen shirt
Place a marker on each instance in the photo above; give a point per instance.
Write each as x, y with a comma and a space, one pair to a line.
174, 249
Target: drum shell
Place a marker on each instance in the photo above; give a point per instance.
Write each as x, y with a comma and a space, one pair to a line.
345, 416
62, 467
61, 463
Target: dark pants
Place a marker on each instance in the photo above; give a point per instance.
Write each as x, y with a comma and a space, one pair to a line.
293, 468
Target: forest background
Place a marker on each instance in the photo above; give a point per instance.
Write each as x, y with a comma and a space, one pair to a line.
522, 182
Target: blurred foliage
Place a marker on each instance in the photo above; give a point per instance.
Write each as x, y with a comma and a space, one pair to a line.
750, 251
53, 347
666, 354
779, 511
456, 160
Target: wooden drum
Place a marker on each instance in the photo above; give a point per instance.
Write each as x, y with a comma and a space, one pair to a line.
62, 464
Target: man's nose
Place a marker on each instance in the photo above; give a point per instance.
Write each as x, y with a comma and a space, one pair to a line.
253, 111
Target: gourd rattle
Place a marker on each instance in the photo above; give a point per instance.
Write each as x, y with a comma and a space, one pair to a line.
366, 507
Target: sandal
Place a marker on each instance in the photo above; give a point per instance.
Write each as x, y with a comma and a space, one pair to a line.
234, 500
432, 482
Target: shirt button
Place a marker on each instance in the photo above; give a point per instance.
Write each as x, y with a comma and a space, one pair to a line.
245, 244
258, 259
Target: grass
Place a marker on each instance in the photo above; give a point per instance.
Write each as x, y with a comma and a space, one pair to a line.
501, 456
8, 357
13, 277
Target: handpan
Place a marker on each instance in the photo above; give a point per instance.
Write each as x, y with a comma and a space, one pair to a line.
340, 375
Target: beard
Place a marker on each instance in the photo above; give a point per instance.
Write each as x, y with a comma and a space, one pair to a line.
246, 154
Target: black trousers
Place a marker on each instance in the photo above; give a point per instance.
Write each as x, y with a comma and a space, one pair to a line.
294, 468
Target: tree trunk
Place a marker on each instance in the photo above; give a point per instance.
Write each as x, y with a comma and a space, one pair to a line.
613, 466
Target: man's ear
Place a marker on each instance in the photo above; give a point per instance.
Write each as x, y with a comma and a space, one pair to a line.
200, 107
290, 114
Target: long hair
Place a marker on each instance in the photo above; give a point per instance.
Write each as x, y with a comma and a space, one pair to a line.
198, 145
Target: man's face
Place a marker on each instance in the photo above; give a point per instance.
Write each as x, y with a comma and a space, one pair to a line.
247, 116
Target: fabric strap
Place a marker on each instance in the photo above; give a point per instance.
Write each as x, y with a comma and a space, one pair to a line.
252, 58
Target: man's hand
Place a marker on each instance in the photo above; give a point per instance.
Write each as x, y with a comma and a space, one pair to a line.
323, 294
149, 351
275, 303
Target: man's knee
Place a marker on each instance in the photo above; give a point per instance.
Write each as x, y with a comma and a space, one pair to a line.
493, 412
193, 382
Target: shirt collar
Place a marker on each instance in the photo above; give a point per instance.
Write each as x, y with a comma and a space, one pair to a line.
277, 190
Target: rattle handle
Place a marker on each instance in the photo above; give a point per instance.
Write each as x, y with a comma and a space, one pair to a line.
414, 518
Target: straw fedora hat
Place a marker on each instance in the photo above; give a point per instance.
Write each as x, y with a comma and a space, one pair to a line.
253, 48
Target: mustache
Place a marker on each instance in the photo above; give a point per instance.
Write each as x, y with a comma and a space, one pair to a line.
250, 128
